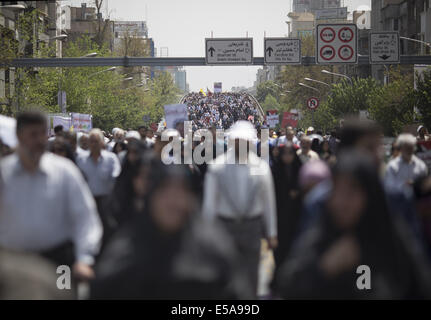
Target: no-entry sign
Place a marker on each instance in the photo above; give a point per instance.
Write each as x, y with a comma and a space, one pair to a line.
313, 103
336, 43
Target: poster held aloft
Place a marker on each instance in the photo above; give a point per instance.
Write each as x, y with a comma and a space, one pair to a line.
8, 131
272, 118
175, 113
82, 122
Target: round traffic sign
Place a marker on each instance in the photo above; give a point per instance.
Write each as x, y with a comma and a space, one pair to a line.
345, 52
327, 34
345, 34
313, 103
327, 52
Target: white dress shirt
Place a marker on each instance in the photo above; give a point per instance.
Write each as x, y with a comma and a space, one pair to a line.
240, 191
44, 209
399, 172
100, 175
311, 155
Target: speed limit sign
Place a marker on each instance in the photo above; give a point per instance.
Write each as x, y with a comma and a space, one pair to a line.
313, 103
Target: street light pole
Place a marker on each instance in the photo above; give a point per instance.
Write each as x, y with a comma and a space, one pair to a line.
106, 70
321, 82
309, 87
339, 75
416, 40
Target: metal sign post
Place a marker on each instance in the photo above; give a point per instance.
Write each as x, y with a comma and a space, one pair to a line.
313, 104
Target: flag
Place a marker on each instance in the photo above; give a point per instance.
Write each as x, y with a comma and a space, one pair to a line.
202, 92
209, 93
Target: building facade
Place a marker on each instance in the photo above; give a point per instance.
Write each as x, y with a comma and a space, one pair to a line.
411, 18
43, 29
313, 5
84, 20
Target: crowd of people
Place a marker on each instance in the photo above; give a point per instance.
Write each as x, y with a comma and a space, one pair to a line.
133, 227
220, 110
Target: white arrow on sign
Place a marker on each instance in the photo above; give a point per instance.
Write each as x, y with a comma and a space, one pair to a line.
282, 51
384, 47
228, 51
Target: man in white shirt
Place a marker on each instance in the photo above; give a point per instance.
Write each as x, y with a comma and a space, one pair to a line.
45, 202
406, 168
118, 137
101, 169
305, 153
239, 192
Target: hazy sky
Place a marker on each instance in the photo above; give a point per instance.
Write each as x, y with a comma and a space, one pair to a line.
183, 25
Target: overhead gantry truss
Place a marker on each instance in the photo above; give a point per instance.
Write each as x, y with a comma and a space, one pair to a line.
154, 62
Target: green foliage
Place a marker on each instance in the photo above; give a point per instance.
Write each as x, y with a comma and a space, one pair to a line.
393, 105
94, 90
347, 100
267, 88
423, 97
323, 119
270, 103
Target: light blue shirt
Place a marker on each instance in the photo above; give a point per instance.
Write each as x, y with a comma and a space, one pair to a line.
100, 175
44, 209
399, 173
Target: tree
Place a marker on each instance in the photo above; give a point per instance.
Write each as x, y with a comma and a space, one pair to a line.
348, 99
270, 103
423, 97
322, 119
392, 106
102, 27
94, 90
267, 88
294, 96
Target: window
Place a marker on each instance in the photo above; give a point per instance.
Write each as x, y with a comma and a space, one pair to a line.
396, 23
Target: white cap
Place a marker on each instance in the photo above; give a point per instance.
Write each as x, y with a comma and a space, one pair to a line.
243, 130
133, 135
310, 129
419, 128
115, 130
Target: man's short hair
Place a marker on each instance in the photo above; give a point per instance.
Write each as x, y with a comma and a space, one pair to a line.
354, 129
58, 128
97, 132
405, 139
70, 136
305, 138
29, 118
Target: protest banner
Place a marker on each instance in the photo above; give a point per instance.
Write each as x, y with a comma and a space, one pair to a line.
8, 131
272, 118
82, 122
175, 113
289, 119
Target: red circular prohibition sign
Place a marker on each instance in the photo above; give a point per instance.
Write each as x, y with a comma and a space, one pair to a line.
351, 52
313, 103
349, 30
321, 52
323, 30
